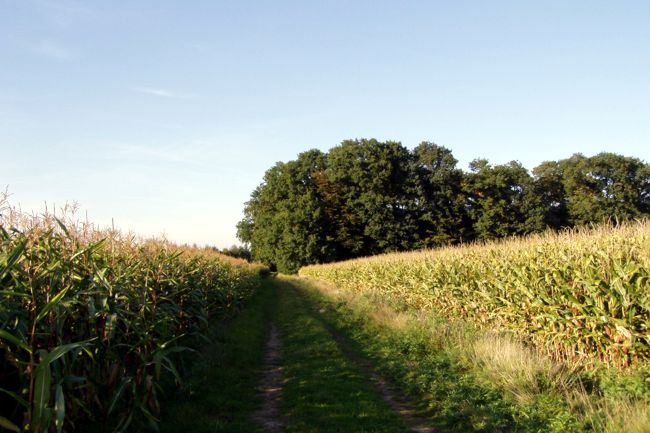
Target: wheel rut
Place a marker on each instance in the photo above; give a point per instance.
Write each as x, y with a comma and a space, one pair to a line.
269, 416
399, 403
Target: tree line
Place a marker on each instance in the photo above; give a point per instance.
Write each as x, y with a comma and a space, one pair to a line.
365, 197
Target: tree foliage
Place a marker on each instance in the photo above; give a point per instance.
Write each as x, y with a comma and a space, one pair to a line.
238, 252
440, 199
501, 200
605, 186
371, 182
367, 197
284, 221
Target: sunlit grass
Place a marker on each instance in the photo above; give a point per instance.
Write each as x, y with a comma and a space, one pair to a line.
556, 315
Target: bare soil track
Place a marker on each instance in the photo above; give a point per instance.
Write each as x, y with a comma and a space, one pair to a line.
269, 416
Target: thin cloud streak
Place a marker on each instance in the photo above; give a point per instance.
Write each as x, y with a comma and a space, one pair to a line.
165, 154
164, 93
63, 13
193, 157
52, 50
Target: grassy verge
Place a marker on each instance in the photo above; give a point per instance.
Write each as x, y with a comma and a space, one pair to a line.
220, 395
415, 353
324, 391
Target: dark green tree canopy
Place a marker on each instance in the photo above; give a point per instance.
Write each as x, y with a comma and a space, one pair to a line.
284, 221
549, 187
371, 180
606, 186
502, 200
367, 197
581, 190
439, 197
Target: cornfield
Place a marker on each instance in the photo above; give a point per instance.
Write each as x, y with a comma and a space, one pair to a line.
93, 323
579, 295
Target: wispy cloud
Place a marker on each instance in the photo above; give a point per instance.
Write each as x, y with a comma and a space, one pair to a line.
159, 154
51, 49
165, 93
63, 12
191, 156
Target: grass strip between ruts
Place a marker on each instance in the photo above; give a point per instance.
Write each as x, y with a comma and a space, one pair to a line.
455, 399
324, 391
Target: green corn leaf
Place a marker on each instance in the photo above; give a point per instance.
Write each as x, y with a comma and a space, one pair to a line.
89, 249
42, 385
63, 227
6, 424
12, 259
148, 415
59, 351
118, 393
16, 397
87, 351
12, 293
12, 339
59, 408
104, 282
160, 359
124, 422
53, 302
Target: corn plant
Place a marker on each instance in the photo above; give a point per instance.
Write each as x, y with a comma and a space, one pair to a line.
579, 295
92, 322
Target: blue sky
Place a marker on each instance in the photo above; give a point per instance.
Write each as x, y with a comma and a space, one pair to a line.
164, 115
